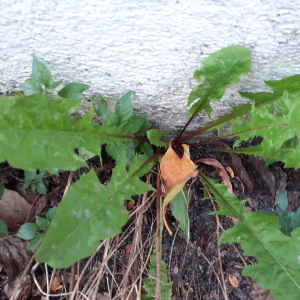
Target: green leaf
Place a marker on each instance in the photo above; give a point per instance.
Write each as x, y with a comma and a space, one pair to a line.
290, 84
220, 70
101, 104
39, 177
30, 87
42, 223
133, 125
145, 123
124, 108
85, 154
34, 243
288, 222
180, 206
30, 175
73, 90
33, 187
88, 213
280, 132
117, 152
108, 117
46, 135
147, 149
41, 188
137, 161
258, 233
27, 231
51, 213
40, 73
53, 86
2, 188
157, 137
150, 283
283, 201
3, 228
26, 185
240, 113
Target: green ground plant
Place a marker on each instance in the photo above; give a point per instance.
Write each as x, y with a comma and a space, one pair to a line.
40, 124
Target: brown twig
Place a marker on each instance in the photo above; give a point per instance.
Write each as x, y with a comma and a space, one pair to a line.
27, 219
105, 167
46, 294
72, 279
115, 260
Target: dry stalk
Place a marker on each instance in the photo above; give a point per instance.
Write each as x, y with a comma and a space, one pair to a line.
99, 276
158, 238
46, 294
218, 236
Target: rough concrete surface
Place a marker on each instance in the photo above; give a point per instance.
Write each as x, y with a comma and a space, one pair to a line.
149, 47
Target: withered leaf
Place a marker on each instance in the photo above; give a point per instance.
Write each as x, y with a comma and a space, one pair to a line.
14, 210
174, 169
234, 282
56, 286
240, 171
264, 171
14, 259
222, 172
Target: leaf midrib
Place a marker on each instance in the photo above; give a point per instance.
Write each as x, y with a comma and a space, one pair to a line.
72, 133
92, 214
241, 218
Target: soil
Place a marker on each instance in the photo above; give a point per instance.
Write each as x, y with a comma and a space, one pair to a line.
192, 276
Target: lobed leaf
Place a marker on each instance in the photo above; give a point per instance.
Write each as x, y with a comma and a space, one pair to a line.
278, 267
157, 138
241, 113
89, 213
219, 71
42, 135
280, 130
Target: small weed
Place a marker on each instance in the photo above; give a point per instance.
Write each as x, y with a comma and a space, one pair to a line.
39, 123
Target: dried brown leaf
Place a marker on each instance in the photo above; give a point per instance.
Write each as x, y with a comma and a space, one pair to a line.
264, 171
234, 282
229, 170
240, 171
280, 178
56, 286
14, 210
259, 293
175, 169
222, 172
14, 259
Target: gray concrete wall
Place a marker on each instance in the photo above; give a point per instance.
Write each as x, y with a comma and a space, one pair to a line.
149, 47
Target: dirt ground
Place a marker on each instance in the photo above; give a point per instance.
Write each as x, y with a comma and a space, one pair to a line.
193, 265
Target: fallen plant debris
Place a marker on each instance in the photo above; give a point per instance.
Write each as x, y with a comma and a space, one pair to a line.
92, 211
